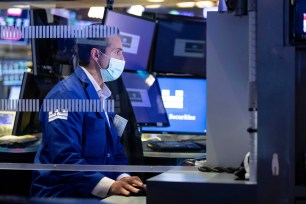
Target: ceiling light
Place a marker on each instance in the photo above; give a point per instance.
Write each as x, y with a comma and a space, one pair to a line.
185, 4
14, 11
22, 6
204, 4
154, 6
155, 1
96, 12
136, 10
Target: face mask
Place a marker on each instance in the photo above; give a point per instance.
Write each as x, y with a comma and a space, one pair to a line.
114, 69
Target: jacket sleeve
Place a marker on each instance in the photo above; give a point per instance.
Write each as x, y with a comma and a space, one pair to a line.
64, 138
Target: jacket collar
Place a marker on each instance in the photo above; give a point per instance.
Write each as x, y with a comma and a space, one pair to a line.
81, 75
89, 88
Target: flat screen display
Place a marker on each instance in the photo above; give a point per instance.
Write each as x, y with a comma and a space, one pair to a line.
136, 35
185, 103
180, 47
33, 87
145, 97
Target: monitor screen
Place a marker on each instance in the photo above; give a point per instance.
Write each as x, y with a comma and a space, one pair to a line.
144, 94
136, 34
11, 71
185, 103
6, 122
51, 54
180, 46
33, 87
13, 17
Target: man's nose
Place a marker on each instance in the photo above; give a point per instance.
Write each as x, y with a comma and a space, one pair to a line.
122, 57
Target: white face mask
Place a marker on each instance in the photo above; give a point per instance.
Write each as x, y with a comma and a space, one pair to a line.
114, 69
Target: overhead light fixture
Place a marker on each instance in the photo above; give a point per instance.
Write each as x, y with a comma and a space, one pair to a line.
22, 6
155, 1
136, 10
14, 11
185, 4
204, 4
96, 12
154, 6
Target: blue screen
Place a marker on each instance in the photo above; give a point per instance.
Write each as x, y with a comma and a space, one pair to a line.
185, 103
136, 35
181, 44
144, 94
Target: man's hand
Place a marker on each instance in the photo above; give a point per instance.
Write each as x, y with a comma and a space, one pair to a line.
126, 185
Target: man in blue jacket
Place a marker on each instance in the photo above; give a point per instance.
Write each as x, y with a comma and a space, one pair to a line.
84, 137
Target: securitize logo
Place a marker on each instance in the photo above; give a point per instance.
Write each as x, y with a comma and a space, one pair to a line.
175, 102
135, 96
182, 117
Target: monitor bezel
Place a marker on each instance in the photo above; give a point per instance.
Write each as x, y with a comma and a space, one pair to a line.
169, 17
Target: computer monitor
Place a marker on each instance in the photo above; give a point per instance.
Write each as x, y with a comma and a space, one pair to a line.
136, 34
33, 87
51, 55
185, 103
180, 46
13, 17
144, 94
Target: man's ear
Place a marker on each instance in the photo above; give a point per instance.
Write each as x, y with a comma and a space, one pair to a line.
94, 54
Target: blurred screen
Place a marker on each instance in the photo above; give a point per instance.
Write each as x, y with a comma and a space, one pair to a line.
136, 34
145, 97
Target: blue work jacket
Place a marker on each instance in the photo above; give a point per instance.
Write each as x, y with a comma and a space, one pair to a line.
81, 138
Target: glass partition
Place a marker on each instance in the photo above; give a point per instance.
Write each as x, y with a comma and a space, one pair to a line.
72, 114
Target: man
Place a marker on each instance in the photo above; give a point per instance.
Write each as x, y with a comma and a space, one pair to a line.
84, 137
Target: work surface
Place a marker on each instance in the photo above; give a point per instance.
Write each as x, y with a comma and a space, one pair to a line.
125, 200
192, 186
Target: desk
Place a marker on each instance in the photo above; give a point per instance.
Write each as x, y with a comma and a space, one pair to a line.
28, 149
193, 186
116, 199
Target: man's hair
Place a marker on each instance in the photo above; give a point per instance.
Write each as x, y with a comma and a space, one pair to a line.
85, 45
84, 50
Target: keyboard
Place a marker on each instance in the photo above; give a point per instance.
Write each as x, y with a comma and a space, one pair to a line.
174, 146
